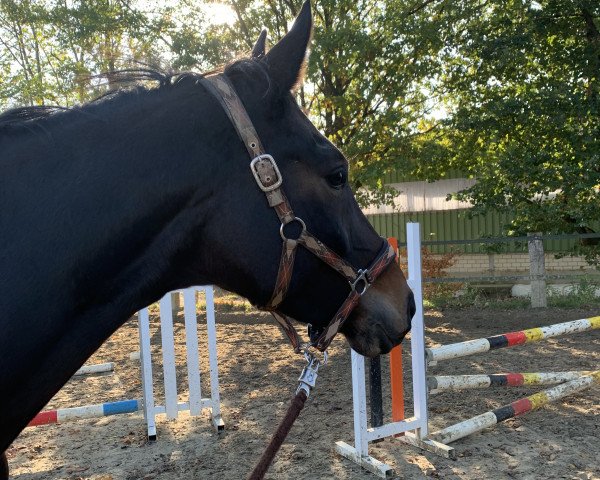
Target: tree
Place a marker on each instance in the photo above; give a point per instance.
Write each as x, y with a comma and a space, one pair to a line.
53, 50
519, 82
368, 79
29, 75
523, 83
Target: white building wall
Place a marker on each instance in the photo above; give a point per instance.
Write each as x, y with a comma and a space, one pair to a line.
425, 196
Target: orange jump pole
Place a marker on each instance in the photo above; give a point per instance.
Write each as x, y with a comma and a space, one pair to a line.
397, 384
396, 377
396, 380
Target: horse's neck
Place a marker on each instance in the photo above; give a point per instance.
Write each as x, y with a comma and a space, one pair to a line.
101, 206
94, 223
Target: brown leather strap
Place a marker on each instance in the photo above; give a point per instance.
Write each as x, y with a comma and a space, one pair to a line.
385, 257
286, 324
325, 338
263, 169
284, 275
267, 176
322, 251
221, 88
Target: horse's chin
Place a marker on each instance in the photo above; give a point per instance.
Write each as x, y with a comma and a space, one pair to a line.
375, 332
373, 344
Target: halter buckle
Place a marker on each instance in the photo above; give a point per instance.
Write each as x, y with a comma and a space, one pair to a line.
266, 173
363, 278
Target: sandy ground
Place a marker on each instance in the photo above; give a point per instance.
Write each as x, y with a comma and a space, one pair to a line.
258, 375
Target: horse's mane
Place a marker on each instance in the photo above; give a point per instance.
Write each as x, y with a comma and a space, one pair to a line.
131, 83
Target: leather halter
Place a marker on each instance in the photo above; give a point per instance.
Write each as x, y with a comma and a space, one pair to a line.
269, 180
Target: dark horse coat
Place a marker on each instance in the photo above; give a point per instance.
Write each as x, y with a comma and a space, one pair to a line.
105, 207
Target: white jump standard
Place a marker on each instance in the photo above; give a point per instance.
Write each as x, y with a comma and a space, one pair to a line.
195, 404
415, 428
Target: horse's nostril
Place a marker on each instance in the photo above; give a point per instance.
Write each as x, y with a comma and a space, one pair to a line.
411, 308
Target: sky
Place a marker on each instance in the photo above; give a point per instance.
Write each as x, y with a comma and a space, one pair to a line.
219, 13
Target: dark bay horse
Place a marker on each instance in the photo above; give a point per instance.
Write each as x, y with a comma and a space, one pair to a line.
106, 207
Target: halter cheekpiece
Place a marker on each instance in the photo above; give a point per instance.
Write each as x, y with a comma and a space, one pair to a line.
269, 180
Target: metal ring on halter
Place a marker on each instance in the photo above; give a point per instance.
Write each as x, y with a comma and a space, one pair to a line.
362, 277
295, 219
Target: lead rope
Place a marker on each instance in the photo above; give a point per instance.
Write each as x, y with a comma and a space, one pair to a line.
307, 381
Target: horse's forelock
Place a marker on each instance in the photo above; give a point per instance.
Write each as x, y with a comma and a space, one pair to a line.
256, 71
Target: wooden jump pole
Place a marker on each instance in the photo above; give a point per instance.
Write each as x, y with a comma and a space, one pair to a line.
62, 415
97, 368
481, 345
519, 407
440, 383
397, 384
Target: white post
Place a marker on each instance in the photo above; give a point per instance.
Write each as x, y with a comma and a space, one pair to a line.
359, 401
146, 368
175, 303
212, 358
415, 429
417, 335
168, 352
191, 346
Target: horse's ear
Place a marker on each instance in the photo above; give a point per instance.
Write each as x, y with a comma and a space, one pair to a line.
260, 45
286, 59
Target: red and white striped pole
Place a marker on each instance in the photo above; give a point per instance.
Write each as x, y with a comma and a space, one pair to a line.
519, 407
482, 345
440, 383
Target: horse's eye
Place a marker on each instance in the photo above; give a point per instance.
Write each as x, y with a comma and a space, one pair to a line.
337, 179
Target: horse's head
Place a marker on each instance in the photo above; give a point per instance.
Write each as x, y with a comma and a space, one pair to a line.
246, 242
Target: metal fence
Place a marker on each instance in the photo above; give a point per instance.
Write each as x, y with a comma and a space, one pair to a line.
457, 230
534, 244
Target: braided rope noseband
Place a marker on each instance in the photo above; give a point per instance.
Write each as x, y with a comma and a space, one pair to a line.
269, 180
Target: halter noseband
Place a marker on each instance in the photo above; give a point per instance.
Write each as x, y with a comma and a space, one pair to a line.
269, 180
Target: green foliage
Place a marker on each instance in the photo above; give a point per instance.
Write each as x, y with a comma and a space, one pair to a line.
468, 296
370, 65
50, 49
64, 51
369, 85
523, 83
582, 294
192, 41
507, 91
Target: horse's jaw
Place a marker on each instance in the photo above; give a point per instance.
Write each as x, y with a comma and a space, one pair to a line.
383, 316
